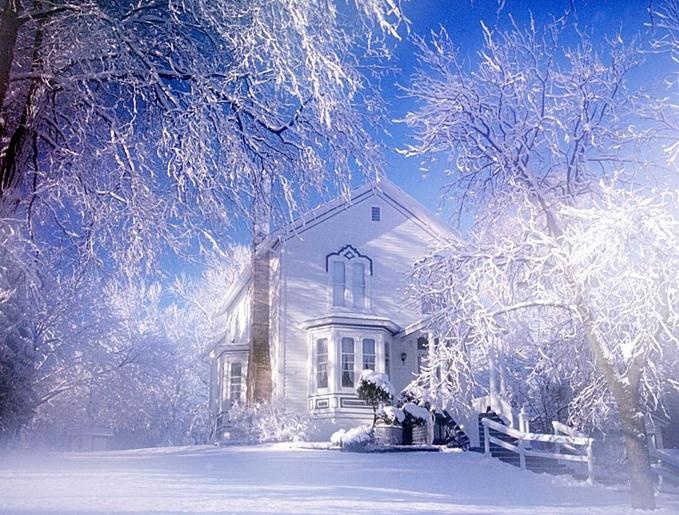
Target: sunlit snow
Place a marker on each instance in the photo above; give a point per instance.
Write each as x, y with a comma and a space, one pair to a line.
282, 479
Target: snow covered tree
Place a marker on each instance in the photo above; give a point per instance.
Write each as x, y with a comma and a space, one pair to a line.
128, 126
665, 112
374, 388
131, 131
530, 132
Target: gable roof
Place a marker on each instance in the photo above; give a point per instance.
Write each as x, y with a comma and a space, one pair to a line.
384, 189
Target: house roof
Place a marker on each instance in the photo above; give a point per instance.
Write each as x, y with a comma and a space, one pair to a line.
384, 189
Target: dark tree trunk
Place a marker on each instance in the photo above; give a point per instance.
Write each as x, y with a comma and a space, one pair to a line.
9, 28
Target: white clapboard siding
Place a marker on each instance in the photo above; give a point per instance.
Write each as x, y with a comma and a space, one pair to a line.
394, 244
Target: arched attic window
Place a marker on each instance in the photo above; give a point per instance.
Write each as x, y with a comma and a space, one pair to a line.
348, 271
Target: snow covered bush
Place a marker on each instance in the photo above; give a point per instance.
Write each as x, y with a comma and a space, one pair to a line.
336, 437
390, 416
355, 439
268, 422
374, 388
415, 414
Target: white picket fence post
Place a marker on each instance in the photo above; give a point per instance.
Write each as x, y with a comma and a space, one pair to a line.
524, 421
522, 454
590, 463
557, 445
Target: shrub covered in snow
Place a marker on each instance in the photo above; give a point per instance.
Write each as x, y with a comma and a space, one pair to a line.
391, 416
268, 422
355, 439
416, 415
336, 437
374, 388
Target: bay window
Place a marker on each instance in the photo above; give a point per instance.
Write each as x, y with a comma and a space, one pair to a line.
337, 357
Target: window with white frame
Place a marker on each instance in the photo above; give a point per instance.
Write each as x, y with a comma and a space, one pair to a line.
349, 271
337, 359
369, 353
347, 360
358, 283
338, 283
223, 383
322, 363
235, 381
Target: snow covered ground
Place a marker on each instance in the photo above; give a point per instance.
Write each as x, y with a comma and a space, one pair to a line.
281, 479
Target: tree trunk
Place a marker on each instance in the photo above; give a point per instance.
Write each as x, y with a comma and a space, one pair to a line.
9, 28
625, 392
638, 461
626, 395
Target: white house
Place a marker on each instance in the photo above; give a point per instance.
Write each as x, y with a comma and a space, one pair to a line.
327, 300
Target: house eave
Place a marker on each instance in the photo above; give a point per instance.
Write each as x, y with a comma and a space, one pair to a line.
415, 327
222, 348
352, 321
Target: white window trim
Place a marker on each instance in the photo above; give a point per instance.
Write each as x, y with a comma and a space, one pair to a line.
329, 363
313, 338
358, 337
224, 369
230, 380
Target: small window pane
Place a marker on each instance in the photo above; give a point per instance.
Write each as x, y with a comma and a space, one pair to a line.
359, 285
322, 363
348, 362
386, 358
368, 354
338, 283
338, 272
375, 214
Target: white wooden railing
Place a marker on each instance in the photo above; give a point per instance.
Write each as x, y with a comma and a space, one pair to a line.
564, 430
577, 443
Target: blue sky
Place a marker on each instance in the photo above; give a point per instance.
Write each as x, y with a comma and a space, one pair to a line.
462, 20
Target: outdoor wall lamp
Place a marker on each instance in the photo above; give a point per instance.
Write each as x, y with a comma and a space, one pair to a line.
404, 356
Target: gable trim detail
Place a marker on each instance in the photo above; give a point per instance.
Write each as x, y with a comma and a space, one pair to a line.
348, 252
